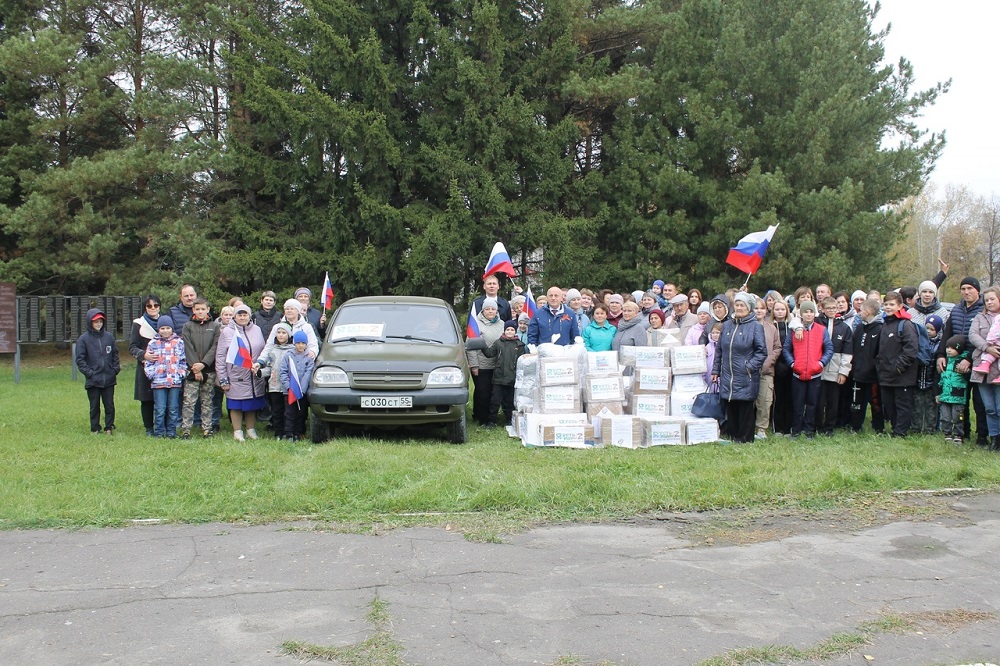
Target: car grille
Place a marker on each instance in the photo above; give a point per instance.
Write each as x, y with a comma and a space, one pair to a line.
387, 381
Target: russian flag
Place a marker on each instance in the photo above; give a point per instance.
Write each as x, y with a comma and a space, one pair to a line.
327, 292
749, 252
529, 303
239, 353
295, 391
472, 327
499, 262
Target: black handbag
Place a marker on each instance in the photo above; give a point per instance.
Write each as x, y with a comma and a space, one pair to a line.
708, 405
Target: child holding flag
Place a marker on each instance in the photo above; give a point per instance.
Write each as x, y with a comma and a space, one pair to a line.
295, 372
237, 373
272, 360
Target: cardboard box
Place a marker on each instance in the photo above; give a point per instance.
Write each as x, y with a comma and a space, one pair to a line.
594, 409
603, 389
680, 404
650, 405
556, 371
688, 384
668, 431
569, 436
559, 399
651, 380
689, 359
644, 357
699, 431
622, 431
533, 424
602, 363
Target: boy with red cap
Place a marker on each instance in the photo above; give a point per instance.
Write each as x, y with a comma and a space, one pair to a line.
97, 358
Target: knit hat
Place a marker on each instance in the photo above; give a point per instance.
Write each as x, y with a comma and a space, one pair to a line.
242, 307
300, 336
523, 317
972, 282
292, 303
510, 323
571, 294
936, 322
859, 294
927, 284
658, 283
282, 325
638, 294
807, 306
165, 320
616, 298
747, 299
303, 290
704, 308
679, 298
490, 302
956, 342
658, 312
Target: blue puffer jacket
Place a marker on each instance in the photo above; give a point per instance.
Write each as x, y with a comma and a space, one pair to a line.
545, 324
739, 357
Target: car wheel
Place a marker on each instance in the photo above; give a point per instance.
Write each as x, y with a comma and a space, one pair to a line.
458, 432
319, 430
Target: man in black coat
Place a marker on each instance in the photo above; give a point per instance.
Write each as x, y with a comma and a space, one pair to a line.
897, 364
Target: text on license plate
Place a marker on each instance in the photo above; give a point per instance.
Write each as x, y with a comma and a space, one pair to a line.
391, 402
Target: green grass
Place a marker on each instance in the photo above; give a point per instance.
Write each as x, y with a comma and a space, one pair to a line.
379, 649
56, 473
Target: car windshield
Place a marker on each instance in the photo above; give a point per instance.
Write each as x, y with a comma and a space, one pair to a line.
394, 323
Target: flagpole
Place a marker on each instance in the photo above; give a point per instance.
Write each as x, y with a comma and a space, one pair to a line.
747, 280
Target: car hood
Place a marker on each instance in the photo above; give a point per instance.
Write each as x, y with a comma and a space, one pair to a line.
391, 353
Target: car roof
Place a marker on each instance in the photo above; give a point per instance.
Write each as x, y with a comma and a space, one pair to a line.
396, 300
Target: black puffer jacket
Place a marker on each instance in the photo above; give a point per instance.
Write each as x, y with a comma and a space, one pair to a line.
897, 353
866, 339
506, 352
97, 354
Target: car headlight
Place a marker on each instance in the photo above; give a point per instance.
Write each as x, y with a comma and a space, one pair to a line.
446, 377
329, 376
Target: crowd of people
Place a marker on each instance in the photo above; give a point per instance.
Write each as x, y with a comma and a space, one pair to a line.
807, 364
188, 360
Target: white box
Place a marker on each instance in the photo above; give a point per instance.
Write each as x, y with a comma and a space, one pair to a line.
558, 371
689, 359
689, 384
622, 431
652, 357
602, 363
681, 402
534, 422
650, 405
559, 399
667, 431
651, 380
701, 430
569, 436
603, 389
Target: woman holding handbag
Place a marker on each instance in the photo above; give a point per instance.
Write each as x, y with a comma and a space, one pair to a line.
739, 358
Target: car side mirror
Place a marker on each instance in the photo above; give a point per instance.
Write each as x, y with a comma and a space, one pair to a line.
475, 344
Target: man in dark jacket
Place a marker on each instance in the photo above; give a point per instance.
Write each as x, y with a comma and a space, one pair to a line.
897, 364
181, 313
959, 323
97, 358
553, 319
864, 388
506, 350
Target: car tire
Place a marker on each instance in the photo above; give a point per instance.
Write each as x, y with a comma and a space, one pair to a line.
458, 431
319, 430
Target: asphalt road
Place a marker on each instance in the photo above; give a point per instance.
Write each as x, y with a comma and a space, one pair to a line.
652, 592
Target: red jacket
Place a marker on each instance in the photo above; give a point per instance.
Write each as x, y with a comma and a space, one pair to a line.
808, 355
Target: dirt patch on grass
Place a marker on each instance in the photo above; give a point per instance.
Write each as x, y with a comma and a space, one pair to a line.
741, 527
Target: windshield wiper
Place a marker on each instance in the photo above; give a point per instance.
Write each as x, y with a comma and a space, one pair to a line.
414, 337
357, 339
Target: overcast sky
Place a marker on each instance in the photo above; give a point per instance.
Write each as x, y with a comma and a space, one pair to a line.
954, 40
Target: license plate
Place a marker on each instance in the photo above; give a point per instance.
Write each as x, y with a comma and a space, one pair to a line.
392, 402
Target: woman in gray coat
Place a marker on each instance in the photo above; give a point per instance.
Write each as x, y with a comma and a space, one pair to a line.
739, 358
245, 390
631, 332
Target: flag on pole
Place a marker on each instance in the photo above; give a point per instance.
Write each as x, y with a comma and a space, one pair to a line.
327, 292
472, 327
238, 353
529, 303
749, 252
295, 391
499, 262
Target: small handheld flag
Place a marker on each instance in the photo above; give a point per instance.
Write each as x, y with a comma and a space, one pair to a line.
238, 353
749, 252
529, 303
472, 327
327, 292
295, 391
499, 262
